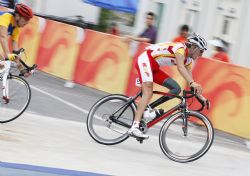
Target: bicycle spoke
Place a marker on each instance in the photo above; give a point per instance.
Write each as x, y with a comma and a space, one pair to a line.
109, 119
182, 147
19, 98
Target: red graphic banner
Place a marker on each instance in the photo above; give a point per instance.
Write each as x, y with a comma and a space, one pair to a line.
103, 62
227, 87
58, 49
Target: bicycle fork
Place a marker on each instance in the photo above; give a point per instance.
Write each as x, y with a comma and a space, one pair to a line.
184, 124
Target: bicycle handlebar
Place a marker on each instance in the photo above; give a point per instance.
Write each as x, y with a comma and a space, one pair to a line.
191, 93
18, 53
186, 95
203, 104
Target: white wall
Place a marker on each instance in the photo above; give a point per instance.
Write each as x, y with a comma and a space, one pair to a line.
209, 21
172, 17
241, 46
66, 8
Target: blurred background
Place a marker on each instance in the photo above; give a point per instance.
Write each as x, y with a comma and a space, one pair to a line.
227, 20
93, 51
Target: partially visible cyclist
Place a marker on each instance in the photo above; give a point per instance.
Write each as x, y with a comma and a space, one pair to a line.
10, 24
163, 54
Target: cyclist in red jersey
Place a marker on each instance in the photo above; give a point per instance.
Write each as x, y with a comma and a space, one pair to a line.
162, 54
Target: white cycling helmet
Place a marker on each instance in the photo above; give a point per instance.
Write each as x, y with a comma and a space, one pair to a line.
198, 40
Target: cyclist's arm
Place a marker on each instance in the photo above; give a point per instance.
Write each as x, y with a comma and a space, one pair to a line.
192, 83
191, 74
189, 71
4, 40
15, 45
142, 39
182, 69
138, 39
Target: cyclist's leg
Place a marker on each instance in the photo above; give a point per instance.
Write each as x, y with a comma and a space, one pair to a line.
172, 85
144, 68
165, 80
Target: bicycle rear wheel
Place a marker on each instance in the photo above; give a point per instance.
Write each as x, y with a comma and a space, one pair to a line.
19, 98
186, 148
110, 118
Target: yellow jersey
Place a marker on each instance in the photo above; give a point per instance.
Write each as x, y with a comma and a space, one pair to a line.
7, 20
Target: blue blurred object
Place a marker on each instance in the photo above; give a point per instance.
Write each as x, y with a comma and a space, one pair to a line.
129, 6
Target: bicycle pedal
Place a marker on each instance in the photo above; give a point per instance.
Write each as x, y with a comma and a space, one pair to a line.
140, 140
137, 138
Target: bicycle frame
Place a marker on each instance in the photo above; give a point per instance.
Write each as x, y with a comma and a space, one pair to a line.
180, 106
117, 111
4, 76
5, 72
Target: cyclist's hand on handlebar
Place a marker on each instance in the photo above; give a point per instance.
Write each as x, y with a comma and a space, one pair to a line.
197, 88
15, 55
12, 56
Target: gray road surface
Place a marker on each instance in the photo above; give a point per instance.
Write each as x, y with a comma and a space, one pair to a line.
52, 133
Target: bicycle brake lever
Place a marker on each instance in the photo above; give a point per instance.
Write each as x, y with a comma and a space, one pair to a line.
193, 91
32, 67
21, 50
208, 104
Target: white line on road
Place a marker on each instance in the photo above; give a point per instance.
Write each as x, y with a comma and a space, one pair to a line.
225, 141
59, 99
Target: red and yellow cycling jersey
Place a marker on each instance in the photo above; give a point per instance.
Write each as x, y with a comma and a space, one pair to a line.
7, 20
164, 53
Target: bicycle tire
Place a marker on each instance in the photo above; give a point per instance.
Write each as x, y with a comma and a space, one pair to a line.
200, 130
99, 125
20, 95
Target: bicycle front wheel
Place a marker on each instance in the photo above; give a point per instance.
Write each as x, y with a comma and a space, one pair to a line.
19, 95
186, 144
110, 118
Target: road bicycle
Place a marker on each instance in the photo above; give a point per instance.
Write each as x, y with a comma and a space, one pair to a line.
16, 92
185, 136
